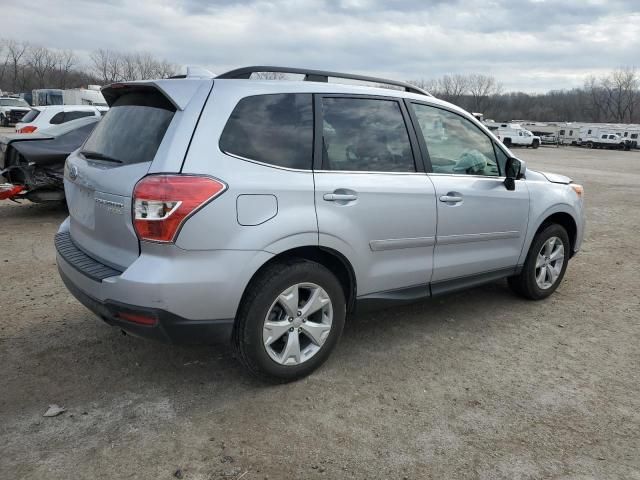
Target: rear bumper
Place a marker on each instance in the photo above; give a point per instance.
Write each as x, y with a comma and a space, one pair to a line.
193, 295
169, 328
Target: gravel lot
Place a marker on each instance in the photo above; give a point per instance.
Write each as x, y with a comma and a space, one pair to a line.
480, 384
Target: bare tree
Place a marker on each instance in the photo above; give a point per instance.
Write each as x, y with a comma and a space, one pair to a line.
482, 88
65, 61
453, 87
42, 62
107, 65
16, 51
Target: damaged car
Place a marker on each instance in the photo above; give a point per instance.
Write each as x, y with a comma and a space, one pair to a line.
32, 165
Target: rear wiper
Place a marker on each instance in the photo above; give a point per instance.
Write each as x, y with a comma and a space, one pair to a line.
99, 156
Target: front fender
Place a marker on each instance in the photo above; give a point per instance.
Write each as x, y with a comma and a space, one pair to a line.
548, 199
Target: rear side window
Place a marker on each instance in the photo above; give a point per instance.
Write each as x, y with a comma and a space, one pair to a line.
274, 129
68, 116
30, 116
132, 129
362, 134
57, 119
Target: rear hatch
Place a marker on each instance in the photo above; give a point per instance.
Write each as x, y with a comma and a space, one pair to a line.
147, 129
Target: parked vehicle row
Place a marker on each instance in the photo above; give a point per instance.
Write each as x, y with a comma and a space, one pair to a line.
31, 165
261, 213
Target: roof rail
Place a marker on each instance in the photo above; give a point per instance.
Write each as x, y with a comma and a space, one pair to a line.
319, 76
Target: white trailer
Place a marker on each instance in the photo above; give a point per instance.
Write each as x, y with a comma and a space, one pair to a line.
84, 96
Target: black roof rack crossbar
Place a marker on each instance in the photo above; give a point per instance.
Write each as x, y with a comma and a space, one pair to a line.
318, 76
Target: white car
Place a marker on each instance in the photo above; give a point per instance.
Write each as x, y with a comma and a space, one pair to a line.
41, 118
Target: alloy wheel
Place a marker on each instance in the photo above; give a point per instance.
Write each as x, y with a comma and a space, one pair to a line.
297, 324
549, 263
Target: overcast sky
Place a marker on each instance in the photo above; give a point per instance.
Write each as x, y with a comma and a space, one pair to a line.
530, 45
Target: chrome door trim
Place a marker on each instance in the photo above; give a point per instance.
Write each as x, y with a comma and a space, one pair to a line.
400, 243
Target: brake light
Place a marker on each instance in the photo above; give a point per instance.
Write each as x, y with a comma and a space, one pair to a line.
162, 203
28, 129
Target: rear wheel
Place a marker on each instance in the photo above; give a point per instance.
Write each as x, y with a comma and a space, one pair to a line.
545, 265
589, 145
290, 320
507, 142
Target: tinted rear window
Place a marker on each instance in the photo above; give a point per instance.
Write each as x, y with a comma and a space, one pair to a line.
274, 129
30, 116
133, 128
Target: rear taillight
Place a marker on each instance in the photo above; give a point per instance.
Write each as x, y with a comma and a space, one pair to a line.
162, 203
27, 129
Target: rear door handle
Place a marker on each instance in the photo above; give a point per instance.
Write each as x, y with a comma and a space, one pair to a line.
344, 197
450, 199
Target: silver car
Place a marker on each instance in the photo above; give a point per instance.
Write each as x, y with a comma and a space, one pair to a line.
264, 212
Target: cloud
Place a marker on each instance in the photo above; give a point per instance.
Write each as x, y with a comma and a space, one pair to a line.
529, 45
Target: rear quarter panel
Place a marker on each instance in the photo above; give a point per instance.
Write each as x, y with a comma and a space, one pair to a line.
217, 225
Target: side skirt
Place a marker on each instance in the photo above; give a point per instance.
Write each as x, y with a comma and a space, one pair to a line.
401, 296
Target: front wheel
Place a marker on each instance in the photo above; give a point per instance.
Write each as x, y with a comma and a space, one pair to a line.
545, 265
4, 121
290, 320
535, 144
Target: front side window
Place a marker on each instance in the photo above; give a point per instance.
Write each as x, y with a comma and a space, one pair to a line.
455, 145
275, 129
634, 135
364, 134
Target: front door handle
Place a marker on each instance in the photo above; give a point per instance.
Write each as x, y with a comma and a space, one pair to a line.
340, 197
450, 199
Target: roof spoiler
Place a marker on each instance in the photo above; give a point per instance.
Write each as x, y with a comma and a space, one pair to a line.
178, 93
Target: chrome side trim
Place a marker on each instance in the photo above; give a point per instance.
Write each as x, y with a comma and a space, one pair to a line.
399, 243
475, 237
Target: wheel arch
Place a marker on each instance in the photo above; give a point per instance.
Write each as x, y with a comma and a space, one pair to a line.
565, 220
333, 260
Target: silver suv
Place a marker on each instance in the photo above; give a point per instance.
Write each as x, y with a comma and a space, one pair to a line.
263, 212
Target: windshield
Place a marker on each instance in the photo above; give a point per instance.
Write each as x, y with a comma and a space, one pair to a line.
13, 102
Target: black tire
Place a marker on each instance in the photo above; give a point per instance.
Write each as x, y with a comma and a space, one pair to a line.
535, 144
525, 283
507, 142
260, 295
589, 145
4, 121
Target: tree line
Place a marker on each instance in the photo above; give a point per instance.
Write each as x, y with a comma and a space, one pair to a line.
613, 97
24, 67
610, 98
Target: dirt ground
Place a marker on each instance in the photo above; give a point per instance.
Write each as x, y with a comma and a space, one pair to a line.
479, 385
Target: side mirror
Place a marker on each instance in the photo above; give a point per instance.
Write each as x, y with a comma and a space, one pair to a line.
514, 170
